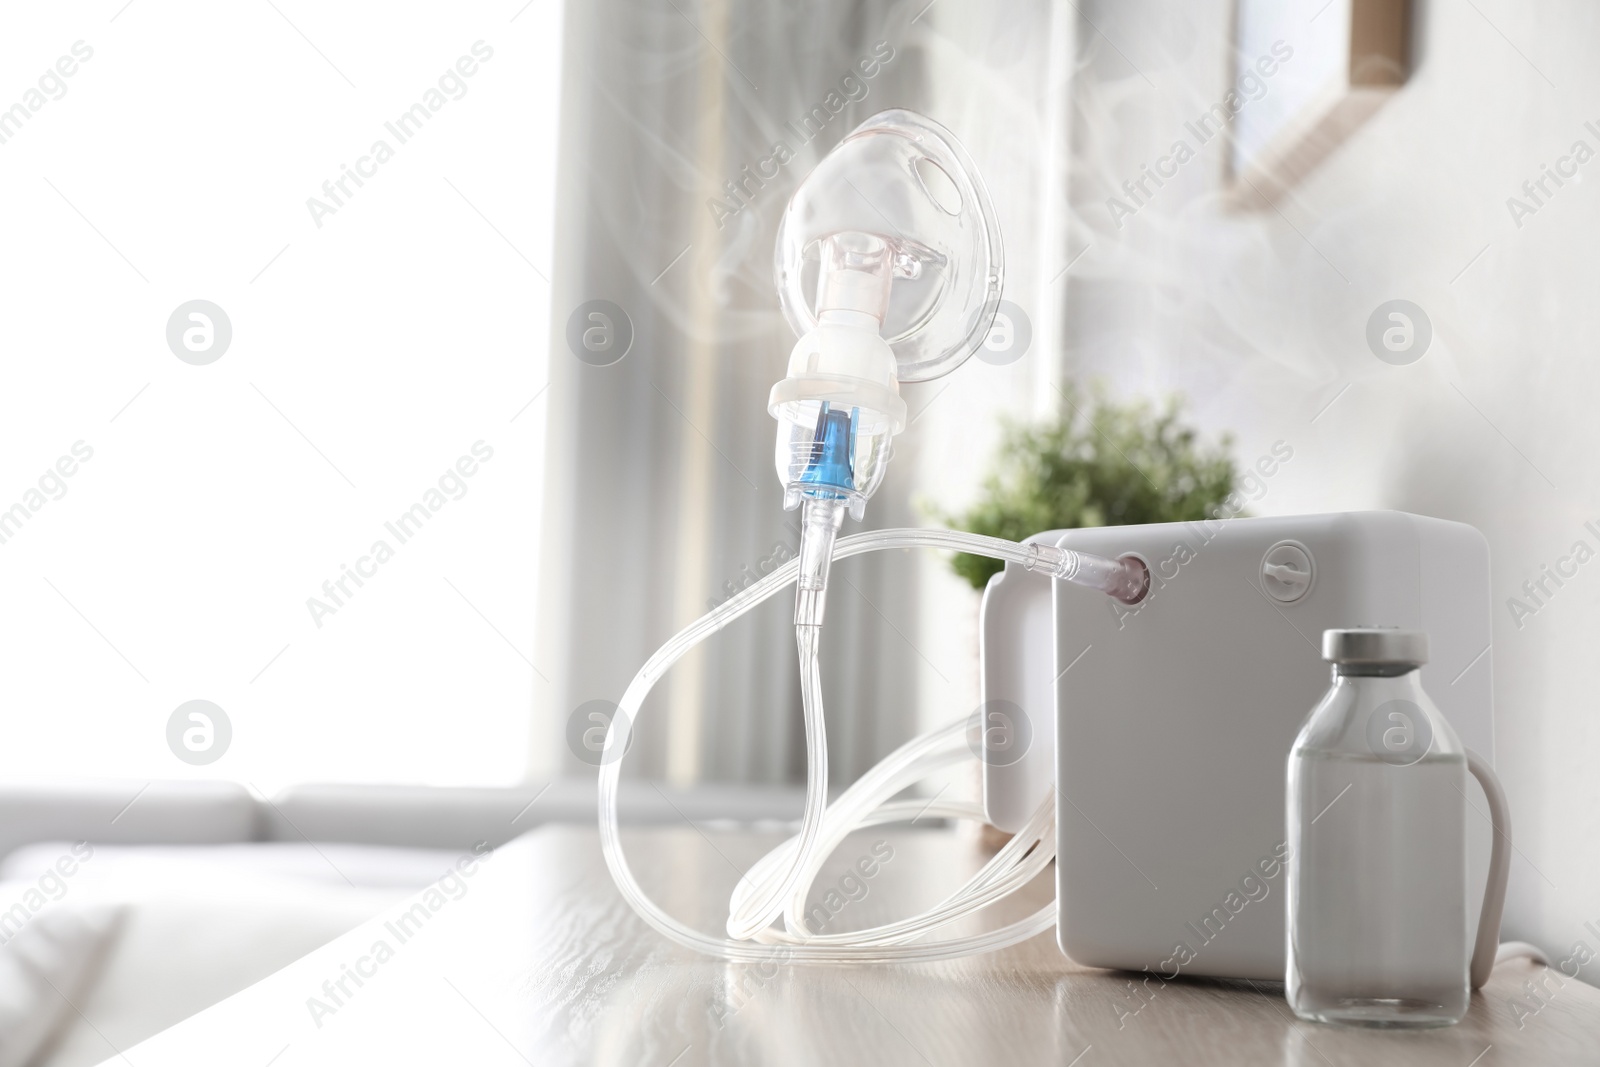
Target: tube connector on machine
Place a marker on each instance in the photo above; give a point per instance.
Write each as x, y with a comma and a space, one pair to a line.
1125, 578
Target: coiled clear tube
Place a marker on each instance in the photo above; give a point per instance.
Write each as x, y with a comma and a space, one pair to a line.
777, 884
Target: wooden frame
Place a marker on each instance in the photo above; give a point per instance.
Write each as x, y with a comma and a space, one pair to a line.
1349, 57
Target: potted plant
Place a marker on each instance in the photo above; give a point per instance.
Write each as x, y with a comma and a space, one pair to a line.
1100, 462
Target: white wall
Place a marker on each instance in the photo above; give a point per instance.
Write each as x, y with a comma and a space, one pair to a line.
1258, 314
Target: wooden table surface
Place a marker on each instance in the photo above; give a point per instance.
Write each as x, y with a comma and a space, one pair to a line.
535, 959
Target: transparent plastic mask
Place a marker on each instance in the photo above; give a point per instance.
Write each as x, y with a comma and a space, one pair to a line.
899, 201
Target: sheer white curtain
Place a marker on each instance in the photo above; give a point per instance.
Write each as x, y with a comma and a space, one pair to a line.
685, 130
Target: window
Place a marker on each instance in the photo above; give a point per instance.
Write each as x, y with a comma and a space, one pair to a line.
275, 320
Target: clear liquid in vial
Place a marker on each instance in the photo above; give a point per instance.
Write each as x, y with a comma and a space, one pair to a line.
1377, 912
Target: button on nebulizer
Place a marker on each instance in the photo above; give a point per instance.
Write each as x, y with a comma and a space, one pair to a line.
1287, 571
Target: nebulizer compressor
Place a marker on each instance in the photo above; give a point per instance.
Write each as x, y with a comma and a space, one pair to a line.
889, 267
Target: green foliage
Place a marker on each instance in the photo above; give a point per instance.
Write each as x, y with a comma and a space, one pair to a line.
1100, 463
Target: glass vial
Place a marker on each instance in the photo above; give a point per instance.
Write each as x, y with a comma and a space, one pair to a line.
1377, 880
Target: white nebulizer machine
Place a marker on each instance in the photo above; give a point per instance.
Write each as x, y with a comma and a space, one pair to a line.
1158, 703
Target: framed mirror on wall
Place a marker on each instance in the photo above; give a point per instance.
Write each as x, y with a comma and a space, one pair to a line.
1307, 75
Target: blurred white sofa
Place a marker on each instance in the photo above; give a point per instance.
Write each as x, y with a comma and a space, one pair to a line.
126, 907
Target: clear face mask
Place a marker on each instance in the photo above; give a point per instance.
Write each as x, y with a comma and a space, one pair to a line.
889, 267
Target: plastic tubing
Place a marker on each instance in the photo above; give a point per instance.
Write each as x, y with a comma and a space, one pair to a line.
776, 885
